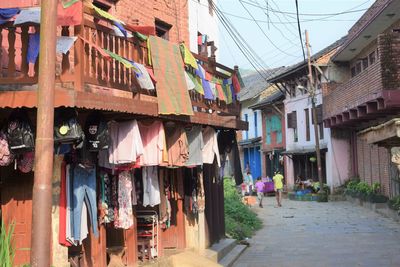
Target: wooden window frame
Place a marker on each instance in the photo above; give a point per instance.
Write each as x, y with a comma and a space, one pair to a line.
307, 119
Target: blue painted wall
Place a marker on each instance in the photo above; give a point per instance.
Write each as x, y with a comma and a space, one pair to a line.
253, 156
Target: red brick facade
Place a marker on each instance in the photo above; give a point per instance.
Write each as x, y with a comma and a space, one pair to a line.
174, 13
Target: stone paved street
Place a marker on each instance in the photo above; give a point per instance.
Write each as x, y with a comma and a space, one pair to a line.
312, 234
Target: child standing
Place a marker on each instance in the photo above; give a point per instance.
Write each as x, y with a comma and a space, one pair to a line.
278, 184
260, 191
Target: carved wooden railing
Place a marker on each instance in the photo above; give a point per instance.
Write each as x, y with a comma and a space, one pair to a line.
84, 66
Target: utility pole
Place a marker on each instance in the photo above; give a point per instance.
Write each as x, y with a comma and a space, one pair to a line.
42, 187
312, 93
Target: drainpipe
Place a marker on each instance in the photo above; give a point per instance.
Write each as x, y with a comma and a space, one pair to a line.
42, 198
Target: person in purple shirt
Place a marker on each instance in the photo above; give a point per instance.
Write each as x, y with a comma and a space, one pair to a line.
260, 191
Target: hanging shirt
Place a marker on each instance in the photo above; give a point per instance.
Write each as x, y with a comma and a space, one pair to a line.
151, 187
210, 149
177, 144
126, 143
153, 142
196, 145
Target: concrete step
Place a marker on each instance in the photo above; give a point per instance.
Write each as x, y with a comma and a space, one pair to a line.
218, 250
232, 256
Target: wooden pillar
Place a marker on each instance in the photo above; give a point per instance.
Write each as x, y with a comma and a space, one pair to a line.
130, 236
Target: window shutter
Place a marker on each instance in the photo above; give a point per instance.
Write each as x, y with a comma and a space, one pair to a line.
319, 114
292, 120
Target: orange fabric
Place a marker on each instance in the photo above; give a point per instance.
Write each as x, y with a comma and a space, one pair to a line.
178, 146
69, 16
236, 84
220, 92
146, 30
209, 76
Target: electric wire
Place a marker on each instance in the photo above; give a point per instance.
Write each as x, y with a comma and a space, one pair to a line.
298, 26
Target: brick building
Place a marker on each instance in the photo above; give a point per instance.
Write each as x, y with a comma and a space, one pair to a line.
363, 92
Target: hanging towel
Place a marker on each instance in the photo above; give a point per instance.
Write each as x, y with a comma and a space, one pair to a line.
187, 56
7, 13
172, 94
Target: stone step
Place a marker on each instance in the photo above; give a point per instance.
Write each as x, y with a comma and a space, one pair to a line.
218, 250
232, 256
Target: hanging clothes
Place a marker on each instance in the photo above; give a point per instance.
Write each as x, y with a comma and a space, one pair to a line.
126, 143
210, 150
227, 144
196, 145
151, 188
84, 190
125, 190
190, 192
153, 138
177, 144
69, 214
62, 234
7, 13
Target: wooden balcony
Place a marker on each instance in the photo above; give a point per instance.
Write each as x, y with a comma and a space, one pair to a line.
85, 79
373, 93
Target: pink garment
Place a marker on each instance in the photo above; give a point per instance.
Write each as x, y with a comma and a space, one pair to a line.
210, 149
153, 142
126, 143
260, 186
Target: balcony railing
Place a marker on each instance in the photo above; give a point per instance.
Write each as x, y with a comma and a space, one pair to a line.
83, 69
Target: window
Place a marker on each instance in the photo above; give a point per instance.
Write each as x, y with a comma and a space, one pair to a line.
102, 4
255, 124
162, 29
307, 115
246, 118
321, 131
296, 138
292, 123
372, 58
365, 63
353, 72
358, 67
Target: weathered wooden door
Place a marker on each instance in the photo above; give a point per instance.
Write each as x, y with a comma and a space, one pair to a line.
174, 236
16, 206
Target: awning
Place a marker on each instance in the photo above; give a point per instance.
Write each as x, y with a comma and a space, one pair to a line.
386, 134
304, 151
250, 142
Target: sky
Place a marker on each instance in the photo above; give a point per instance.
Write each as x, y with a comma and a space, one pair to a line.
283, 47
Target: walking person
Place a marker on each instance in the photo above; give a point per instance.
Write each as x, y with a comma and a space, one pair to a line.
260, 191
278, 185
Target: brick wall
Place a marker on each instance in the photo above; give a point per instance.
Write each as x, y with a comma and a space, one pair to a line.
384, 74
172, 12
374, 165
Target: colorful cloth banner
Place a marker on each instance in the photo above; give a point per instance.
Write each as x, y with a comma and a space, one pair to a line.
220, 92
189, 82
200, 72
197, 84
7, 13
187, 56
127, 64
143, 77
236, 83
106, 15
146, 30
227, 91
98, 48
65, 16
172, 94
64, 43
120, 31
68, 3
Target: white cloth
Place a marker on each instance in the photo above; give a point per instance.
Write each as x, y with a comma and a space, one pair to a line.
126, 143
143, 77
119, 33
210, 149
64, 43
189, 82
28, 15
151, 187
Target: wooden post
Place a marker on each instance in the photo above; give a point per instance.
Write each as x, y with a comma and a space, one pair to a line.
314, 114
42, 195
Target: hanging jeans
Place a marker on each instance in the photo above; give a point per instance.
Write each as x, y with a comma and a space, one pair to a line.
84, 188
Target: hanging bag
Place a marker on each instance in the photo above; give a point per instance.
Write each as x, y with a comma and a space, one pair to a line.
67, 130
19, 132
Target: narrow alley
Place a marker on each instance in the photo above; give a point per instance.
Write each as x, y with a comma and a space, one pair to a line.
312, 234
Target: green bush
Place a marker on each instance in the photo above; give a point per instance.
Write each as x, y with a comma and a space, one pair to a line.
240, 221
394, 203
6, 246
